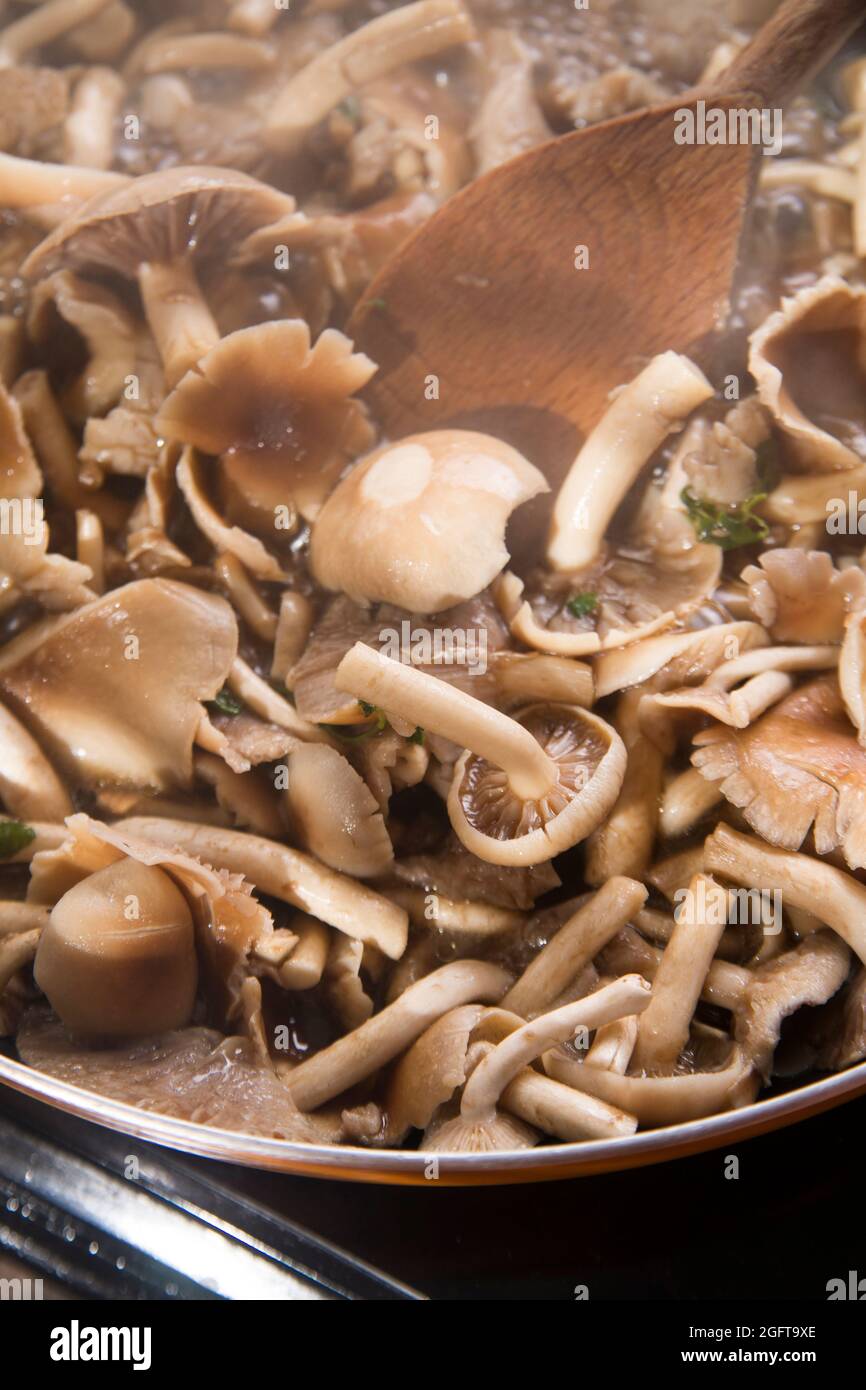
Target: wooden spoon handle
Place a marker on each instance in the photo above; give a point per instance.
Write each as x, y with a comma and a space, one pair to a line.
791, 47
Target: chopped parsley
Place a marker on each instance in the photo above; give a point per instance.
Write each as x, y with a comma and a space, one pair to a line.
418, 736
14, 836
226, 702
727, 527
582, 605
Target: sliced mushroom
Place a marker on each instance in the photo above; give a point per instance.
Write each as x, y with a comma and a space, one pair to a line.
478, 1127
162, 231
405, 35
640, 418
117, 958
800, 596
386, 1034
808, 362
288, 875
281, 414
421, 523
335, 814
829, 894
114, 690
523, 791
799, 765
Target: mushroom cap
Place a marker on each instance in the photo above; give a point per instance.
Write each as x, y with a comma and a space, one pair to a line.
800, 596
334, 812
807, 360
117, 958
203, 211
114, 690
799, 765
809, 975
420, 523
451, 1133
430, 1071
494, 823
280, 413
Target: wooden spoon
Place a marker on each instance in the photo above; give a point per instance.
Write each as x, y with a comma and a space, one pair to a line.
484, 309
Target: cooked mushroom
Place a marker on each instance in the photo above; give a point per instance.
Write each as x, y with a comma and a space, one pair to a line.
29, 786
663, 1029
675, 658
162, 231
852, 673
510, 119
334, 813
117, 959
421, 523
89, 127
50, 21
799, 765
576, 943
280, 412
523, 791
288, 875
382, 1037
800, 596
107, 329
478, 1127
414, 31
807, 976
115, 690
640, 418
807, 362
829, 894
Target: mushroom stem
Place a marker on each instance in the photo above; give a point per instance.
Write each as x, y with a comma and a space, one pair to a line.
397, 37
629, 995
442, 709
28, 184
634, 425
254, 17
43, 25
89, 129
685, 800
179, 318
382, 1037
17, 951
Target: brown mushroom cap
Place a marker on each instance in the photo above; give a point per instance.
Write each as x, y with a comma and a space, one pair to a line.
421, 523
799, 765
114, 690
117, 958
496, 823
800, 596
335, 813
280, 413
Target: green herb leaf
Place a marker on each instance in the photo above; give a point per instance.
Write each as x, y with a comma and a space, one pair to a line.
378, 304
226, 702
14, 836
380, 724
581, 605
418, 736
727, 527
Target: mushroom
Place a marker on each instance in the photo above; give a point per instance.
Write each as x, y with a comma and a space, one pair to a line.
352, 1058
179, 52
662, 1100
808, 361
800, 596
20, 475
162, 231
421, 523
480, 1126
115, 689
829, 894
524, 678
576, 943
809, 975
117, 958
225, 539
816, 500
798, 766
305, 965
246, 598
49, 193
29, 786
686, 799
843, 1039
663, 1029
852, 673
640, 418
108, 332
342, 986
89, 127
675, 658
510, 119
42, 26
623, 843
280, 412
286, 874
524, 790
415, 31
334, 813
